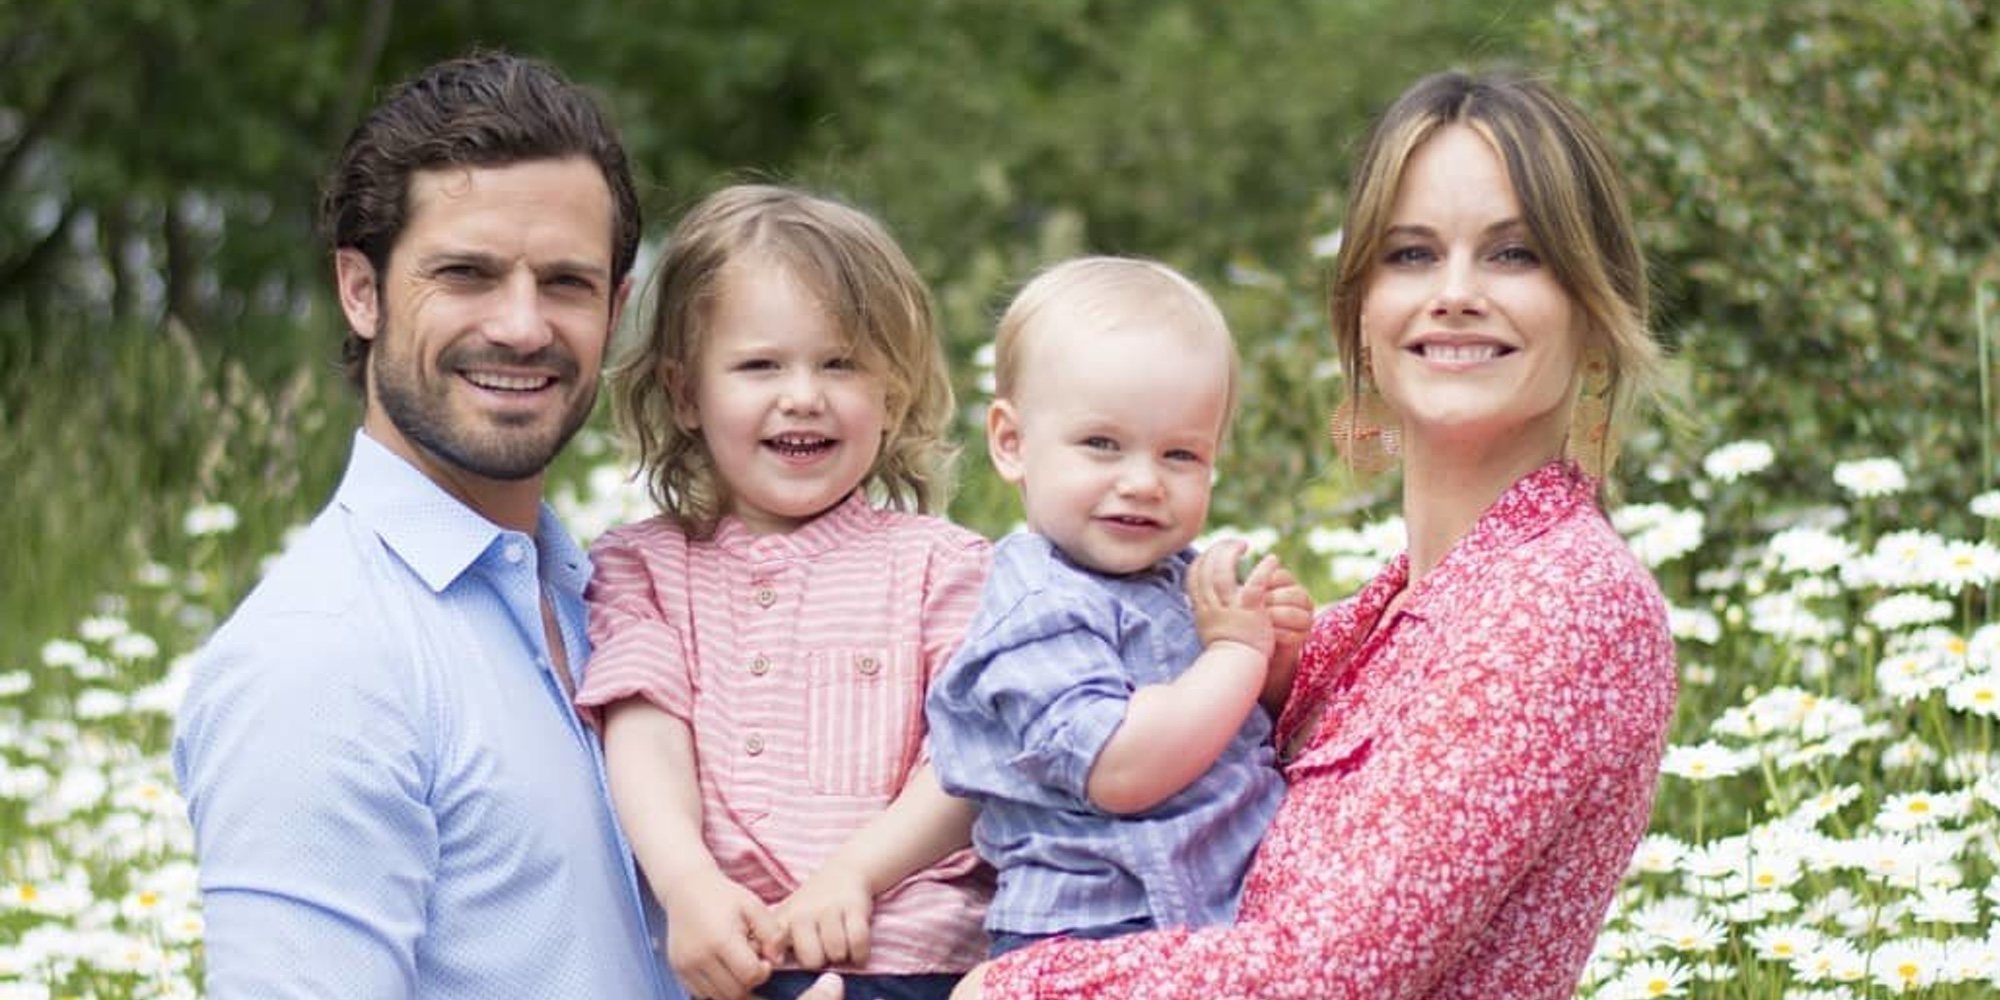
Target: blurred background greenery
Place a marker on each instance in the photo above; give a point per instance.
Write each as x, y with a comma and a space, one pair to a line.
1817, 181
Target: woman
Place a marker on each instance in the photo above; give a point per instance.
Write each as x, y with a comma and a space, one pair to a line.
1471, 744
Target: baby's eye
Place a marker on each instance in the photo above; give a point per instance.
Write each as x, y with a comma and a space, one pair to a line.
1098, 442
1182, 455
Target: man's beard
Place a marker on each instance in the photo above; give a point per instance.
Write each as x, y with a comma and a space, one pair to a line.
422, 410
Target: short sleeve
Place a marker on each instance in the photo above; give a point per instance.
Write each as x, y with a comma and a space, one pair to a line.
638, 610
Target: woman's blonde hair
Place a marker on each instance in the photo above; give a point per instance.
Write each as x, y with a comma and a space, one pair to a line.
869, 290
1573, 203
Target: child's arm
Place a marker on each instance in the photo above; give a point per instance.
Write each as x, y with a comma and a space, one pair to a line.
1291, 622
714, 926
1173, 732
827, 918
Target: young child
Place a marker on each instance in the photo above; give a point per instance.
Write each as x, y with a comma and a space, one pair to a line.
763, 645
1103, 712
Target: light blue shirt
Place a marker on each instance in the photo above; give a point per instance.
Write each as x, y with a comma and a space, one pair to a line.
1020, 715
390, 793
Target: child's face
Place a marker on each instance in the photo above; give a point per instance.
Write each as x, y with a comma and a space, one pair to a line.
789, 416
1112, 438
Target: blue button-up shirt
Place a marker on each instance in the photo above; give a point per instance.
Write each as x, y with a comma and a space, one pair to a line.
1020, 715
390, 793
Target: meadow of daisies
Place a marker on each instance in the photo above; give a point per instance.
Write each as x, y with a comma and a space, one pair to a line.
1826, 828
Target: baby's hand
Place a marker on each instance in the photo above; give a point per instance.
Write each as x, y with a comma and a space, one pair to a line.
826, 919
1291, 615
1227, 611
717, 929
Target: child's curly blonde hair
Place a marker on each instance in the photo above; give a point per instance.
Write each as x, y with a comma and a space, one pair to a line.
869, 290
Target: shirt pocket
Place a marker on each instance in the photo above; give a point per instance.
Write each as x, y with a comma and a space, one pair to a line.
864, 716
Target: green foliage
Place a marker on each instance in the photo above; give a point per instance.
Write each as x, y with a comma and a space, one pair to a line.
1822, 199
107, 442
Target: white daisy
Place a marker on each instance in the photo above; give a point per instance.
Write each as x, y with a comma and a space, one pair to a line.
1871, 477
1737, 459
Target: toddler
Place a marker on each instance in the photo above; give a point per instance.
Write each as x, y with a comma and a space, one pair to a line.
762, 646
1103, 712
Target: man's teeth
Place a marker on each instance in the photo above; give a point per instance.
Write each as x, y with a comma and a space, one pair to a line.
508, 383
1461, 353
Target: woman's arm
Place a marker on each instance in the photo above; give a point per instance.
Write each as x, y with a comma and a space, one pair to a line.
1387, 863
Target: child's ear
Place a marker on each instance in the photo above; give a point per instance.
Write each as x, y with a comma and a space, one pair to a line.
1003, 440
680, 392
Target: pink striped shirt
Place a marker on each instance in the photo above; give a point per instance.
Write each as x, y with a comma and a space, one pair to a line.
800, 663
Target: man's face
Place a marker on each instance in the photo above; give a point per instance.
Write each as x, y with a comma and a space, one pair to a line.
490, 320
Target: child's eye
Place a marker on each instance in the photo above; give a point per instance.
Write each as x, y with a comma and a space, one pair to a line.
1182, 455
754, 365
846, 364
1098, 442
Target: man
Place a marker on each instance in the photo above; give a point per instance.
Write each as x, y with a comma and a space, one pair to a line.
391, 794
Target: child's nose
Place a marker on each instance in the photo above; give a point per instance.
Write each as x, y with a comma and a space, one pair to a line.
801, 393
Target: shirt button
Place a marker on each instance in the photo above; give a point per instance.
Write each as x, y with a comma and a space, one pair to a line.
754, 745
869, 666
766, 597
760, 666
514, 552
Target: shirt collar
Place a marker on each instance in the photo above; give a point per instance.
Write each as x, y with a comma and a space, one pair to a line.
434, 533
841, 523
1535, 503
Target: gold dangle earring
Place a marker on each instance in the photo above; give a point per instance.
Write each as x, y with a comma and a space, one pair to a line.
1362, 427
1589, 442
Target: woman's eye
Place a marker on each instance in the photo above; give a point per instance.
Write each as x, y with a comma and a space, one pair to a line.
1407, 255
1517, 255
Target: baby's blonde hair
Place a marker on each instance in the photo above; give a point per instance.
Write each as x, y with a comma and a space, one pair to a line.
1089, 296
869, 290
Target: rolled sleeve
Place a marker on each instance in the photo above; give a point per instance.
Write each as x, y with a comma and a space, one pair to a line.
635, 648
306, 777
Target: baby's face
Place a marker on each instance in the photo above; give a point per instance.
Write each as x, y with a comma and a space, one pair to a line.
1112, 440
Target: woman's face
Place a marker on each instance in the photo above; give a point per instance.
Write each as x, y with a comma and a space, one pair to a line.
1472, 341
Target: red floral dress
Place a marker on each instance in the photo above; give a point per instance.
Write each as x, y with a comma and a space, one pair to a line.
1458, 822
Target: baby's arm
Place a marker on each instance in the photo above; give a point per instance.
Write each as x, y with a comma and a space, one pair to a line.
827, 918
1173, 732
714, 926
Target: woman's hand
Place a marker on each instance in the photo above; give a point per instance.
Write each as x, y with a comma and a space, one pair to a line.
716, 929
826, 919
970, 988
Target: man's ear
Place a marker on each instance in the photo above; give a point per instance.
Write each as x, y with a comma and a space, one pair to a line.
354, 278
1003, 440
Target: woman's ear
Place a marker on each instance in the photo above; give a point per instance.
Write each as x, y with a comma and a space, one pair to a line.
1003, 440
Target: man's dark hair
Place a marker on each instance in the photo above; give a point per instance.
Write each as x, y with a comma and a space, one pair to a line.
488, 109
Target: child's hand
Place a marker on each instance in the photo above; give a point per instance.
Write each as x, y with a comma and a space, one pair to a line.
1227, 611
826, 919
714, 930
